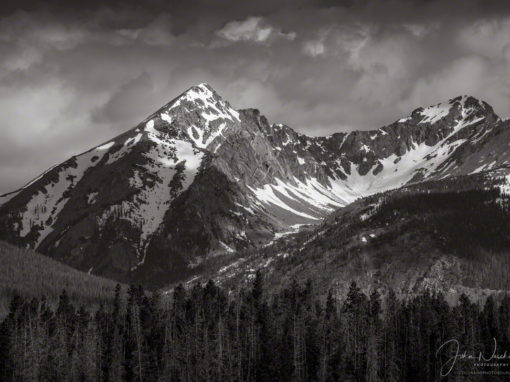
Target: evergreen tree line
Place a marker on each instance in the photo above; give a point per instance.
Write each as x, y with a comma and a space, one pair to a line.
209, 334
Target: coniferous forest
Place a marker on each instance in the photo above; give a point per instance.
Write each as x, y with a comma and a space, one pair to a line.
207, 334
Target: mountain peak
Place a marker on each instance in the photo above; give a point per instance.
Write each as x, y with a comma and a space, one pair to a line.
199, 113
202, 93
204, 86
201, 90
472, 103
460, 109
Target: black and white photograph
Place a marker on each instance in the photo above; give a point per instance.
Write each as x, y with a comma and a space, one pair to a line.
254, 190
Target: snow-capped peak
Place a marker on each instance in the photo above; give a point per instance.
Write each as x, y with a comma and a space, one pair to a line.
458, 109
202, 92
201, 96
200, 113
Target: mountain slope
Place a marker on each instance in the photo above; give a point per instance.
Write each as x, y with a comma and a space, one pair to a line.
449, 235
29, 274
198, 178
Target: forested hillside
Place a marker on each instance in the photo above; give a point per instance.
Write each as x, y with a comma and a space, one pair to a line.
451, 235
207, 334
28, 274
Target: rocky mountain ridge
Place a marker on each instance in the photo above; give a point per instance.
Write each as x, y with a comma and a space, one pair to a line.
197, 179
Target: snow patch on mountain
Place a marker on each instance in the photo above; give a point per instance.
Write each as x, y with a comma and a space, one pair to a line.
133, 140
169, 161
433, 114
226, 247
39, 177
165, 117
266, 196
308, 199
92, 197
44, 207
106, 146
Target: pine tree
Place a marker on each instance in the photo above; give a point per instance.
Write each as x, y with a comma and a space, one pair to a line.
355, 316
391, 361
373, 345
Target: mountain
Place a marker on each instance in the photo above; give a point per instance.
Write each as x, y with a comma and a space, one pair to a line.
198, 179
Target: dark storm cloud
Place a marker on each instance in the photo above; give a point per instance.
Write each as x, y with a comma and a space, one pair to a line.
73, 74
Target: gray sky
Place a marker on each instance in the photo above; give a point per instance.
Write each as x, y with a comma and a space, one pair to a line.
75, 75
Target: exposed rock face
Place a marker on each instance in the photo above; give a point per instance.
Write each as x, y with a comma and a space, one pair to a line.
198, 178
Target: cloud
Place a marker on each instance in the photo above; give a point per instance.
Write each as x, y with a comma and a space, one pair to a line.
158, 32
473, 75
21, 28
73, 77
422, 30
127, 103
253, 29
338, 40
314, 48
38, 130
488, 37
249, 93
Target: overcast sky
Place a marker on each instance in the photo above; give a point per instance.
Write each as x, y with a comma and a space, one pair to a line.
74, 74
